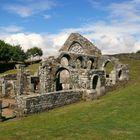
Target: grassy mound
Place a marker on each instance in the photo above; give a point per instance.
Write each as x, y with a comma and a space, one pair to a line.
115, 116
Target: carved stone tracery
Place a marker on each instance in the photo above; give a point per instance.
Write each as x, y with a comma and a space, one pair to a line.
76, 48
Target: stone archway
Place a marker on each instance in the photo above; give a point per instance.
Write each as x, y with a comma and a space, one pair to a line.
65, 60
79, 63
95, 82
96, 87
108, 67
62, 79
90, 64
110, 72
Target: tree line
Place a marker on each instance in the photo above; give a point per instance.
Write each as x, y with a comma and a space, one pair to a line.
10, 52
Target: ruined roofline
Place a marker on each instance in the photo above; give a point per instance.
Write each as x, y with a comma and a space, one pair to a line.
88, 47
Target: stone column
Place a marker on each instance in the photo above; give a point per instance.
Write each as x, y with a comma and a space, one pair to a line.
114, 77
20, 79
43, 80
3, 87
0, 110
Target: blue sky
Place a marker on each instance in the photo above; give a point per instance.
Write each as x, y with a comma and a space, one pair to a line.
112, 25
57, 15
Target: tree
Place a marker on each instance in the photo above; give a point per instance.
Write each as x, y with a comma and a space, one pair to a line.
9, 52
35, 51
17, 53
5, 51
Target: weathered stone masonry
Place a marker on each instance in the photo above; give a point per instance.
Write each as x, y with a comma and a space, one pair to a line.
78, 72
38, 103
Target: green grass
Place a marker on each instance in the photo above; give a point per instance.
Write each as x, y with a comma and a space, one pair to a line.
12, 71
115, 116
32, 68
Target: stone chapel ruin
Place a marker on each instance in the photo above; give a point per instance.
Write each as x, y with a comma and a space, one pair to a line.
77, 72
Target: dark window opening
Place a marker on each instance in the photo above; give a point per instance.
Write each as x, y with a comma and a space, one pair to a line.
120, 73
94, 82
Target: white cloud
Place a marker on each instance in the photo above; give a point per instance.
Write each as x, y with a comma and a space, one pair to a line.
11, 29
108, 42
121, 32
29, 8
119, 35
47, 17
50, 44
127, 11
137, 45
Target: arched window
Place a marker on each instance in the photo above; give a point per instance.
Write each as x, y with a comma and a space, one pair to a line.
90, 64
79, 63
95, 81
62, 79
108, 67
120, 73
64, 61
76, 48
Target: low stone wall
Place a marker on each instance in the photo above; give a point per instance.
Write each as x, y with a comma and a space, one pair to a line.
30, 104
116, 86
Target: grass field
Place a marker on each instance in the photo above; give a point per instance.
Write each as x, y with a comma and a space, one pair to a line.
115, 116
33, 68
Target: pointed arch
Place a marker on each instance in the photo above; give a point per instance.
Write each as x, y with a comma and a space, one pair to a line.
79, 62
90, 63
76, 47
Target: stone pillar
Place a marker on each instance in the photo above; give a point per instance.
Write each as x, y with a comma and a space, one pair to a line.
125, 73
20, 79
3, 87
114, 77
0, 110
44, 80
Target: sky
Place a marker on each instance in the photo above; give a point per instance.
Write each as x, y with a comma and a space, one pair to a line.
112, 25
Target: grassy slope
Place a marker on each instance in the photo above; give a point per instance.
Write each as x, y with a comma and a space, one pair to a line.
113, 117
33, 68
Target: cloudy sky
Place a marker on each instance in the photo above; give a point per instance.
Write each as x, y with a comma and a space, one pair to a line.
112, 25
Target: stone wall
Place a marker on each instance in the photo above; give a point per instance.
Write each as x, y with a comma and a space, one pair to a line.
7, 87
78, 71
0, 110
116, 86
30, 104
